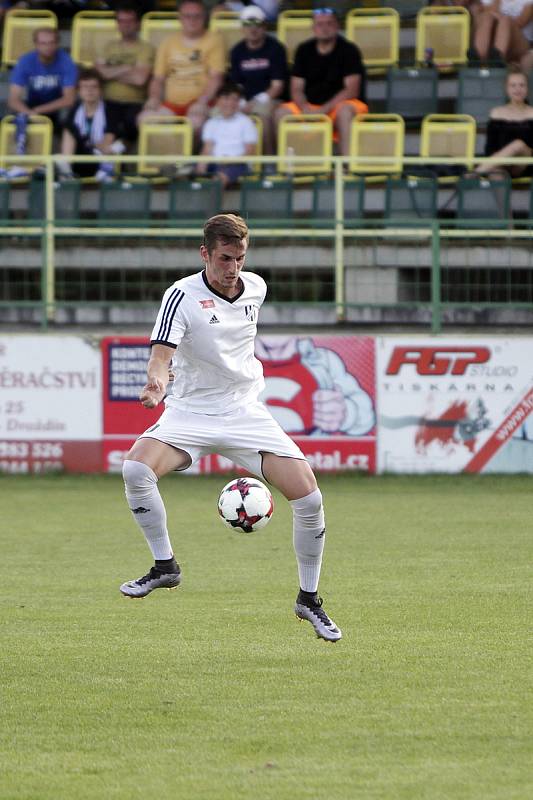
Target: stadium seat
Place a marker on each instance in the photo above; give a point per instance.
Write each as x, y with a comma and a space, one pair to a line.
411, 198
4, 200
160, 136
228, 25
484, 201
157, 25
266, 201
324, 195
19, 25
479, 90
91, 31
376, 31
305, 135
411, 92
377, 135
445, 30
194, 201
39, 139
66, 200
448, 135
294, 27
127, 202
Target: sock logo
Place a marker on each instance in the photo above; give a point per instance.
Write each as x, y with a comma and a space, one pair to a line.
140, 510
320, 535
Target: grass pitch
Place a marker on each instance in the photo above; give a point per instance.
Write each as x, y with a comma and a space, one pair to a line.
215, 692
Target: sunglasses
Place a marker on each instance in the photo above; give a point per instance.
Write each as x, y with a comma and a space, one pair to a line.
252, 23
330, 11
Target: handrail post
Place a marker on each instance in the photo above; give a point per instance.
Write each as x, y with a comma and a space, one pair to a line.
339, 242
49, 243
436, 308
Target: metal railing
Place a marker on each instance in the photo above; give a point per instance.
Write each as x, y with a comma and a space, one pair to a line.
340, 237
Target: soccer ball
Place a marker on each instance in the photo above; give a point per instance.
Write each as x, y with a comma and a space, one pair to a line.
245, 504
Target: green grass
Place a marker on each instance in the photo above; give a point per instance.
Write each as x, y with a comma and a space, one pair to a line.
215, 692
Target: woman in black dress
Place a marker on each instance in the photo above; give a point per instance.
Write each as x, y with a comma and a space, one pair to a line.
510, 128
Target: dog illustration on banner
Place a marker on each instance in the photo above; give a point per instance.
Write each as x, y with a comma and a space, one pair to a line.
309, 391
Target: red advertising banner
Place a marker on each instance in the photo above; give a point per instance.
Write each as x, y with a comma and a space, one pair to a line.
321, 390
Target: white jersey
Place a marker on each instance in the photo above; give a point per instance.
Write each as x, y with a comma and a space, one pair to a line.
214, 363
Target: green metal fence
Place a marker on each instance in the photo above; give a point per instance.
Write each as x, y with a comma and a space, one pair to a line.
345, 263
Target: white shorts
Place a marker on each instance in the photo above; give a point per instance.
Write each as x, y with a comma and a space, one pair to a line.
241, 436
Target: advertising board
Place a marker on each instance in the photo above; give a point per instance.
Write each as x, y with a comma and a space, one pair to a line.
50, 404
455, 404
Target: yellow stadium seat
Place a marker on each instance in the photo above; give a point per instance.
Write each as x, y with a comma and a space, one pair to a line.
19, 25
445, 30
91, 31
228, 25
448, 135
376, 31
157, 25
305, 135
39, 139
294, 27
377, 135
163, 136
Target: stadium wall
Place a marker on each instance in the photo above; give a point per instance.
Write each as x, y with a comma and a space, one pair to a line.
404, 404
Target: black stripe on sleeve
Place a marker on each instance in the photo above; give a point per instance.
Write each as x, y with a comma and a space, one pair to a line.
168, 314
158, 341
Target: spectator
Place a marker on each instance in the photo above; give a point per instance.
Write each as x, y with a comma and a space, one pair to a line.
43, 81
230, 133
125, 68
503, 30
270, 8
259, 65
328, 77
510, 128
91, 129
189, 68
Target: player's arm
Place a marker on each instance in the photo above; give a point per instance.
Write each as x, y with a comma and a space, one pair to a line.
157, 375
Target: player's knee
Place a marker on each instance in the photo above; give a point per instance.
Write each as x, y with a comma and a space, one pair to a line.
309, 505
138, 476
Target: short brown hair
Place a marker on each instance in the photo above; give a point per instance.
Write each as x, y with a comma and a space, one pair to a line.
227, 228
90, 74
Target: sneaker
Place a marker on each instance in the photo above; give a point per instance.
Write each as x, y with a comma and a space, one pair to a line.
104, 175
17, 172
153, 580
312, 611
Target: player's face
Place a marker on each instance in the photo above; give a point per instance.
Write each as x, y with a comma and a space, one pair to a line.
223, 266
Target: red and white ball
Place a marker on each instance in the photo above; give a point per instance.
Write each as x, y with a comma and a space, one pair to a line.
245, 504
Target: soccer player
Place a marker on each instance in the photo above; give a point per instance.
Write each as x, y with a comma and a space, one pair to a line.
206, 329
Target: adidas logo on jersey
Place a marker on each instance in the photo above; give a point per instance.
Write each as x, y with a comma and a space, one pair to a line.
213, 320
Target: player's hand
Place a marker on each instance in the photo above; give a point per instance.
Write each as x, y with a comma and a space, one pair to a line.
152, 393
329, 409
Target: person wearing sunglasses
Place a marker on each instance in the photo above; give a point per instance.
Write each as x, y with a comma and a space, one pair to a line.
328, 77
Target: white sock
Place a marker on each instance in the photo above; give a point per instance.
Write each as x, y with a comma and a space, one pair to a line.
147, 507
309, 532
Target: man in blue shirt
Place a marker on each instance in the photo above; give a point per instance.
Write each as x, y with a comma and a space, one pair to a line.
43, 81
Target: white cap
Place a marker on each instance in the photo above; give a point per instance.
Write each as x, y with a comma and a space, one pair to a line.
253, 14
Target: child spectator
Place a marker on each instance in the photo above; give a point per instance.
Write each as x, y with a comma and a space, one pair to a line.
91, 129
231, 133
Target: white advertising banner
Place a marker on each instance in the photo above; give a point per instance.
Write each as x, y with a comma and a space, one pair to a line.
50, 403
455, 404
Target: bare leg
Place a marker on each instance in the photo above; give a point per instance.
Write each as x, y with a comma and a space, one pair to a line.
343, 123
483, 33
517, 148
